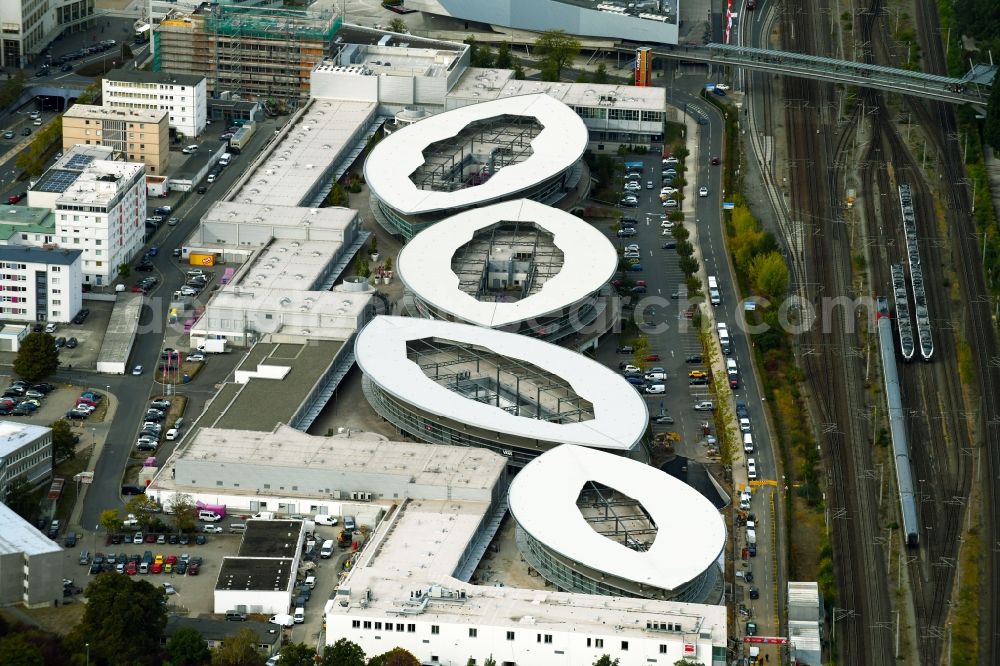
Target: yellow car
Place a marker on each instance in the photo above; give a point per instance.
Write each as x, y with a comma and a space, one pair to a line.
697, 374
168, 568
158, 559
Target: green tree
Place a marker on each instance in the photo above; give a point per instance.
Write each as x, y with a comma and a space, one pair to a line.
184, 511
397, 656
111, 521
297, 654
605, 660
238, 650
770, 273
490, 661
557, 50
518, 71
479, 55
601, 74
504, 59
991, 129
124, 270
21, 501
16, 650
343, 653
123, 620
395, 25
12, 89
144, 508
338, 196
37, 358
63, 440
187, 647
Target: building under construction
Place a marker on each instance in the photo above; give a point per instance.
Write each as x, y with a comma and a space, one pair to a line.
261, 53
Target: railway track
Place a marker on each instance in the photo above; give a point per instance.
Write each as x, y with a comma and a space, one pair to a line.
978, 326
834, 368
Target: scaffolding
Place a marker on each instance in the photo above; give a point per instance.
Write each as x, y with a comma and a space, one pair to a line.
475, 153
521, 252
517, 387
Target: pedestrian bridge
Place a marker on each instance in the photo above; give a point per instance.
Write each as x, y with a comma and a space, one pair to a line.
973, 88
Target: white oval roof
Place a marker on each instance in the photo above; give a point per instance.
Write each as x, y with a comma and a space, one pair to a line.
620, 416
690, 532
589, 261
557, 147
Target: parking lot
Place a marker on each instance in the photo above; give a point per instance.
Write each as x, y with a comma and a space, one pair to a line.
89, 336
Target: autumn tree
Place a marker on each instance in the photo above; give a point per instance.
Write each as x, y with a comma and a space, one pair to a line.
63, 440
238, 650
343, 653
117, 606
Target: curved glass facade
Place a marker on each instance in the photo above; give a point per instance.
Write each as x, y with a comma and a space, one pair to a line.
570, 576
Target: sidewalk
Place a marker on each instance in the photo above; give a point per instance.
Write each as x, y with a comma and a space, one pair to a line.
100, 434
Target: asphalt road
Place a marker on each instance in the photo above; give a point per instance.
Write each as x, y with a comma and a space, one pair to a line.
133, 392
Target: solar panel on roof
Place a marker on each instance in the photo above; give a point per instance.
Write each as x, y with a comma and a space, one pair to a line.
79, 161
56, 180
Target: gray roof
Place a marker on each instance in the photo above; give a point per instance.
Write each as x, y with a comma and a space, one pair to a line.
142, 76
19, 536
39, 255
217, 630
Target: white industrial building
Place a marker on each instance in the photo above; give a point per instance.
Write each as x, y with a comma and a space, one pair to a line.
261, 576
40, 285
517, 265
805, 623
100, 208
183, 96
289, 472
31, 564
449, 383
25, 453
614, 114
428, 607
659, 537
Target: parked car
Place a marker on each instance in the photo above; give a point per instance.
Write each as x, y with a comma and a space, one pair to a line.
71, 343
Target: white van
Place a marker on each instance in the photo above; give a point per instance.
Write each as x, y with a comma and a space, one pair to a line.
656, 388
748, 442
731, 368
224, 160
209, 516
324, 519
326, 551
299, 616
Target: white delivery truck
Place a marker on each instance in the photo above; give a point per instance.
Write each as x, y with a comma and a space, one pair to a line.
714, 295
213, 346
724, 338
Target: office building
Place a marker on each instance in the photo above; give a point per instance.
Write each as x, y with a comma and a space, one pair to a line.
137, 135
645, 21
183, 96
260, 52
31, 25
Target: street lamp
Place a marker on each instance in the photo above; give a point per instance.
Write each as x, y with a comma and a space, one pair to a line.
88, 654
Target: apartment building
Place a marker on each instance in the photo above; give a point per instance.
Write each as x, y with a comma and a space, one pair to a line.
99, 205
182, 96
38, 284
138, 135
260, 52
28, 26
25, 454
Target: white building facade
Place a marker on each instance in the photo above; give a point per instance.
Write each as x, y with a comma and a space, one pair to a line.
183, 96
100, 208
31, 564
25, 453
40, 285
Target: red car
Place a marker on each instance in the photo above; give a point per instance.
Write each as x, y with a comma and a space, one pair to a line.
716, 161
653, 357
14, 198
171, 559
193, 569
157, 567
139, 290
132, 568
